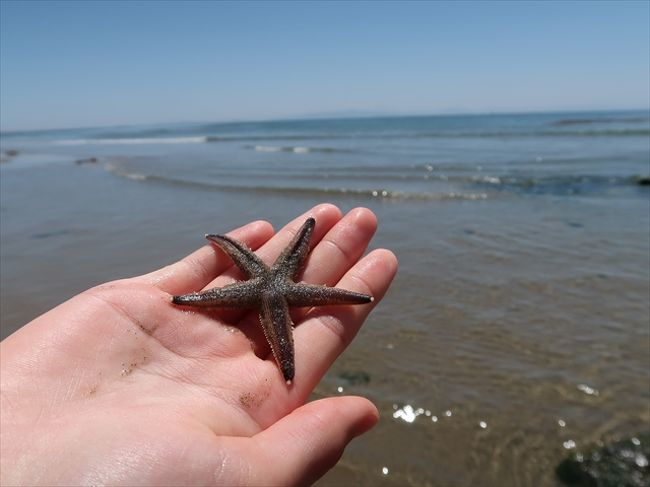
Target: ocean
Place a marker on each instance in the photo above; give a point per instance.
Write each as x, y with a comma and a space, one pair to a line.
518, 327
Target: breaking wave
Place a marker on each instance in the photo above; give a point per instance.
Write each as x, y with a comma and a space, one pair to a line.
266, 137
295, 149
379, 193
133, 141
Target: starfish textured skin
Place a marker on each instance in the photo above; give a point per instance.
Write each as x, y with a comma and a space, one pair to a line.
272, 290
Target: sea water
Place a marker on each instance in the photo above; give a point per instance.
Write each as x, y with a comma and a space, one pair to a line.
517, 328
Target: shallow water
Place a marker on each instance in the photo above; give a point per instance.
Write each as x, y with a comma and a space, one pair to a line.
517, 327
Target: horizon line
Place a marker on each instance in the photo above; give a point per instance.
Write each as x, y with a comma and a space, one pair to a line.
335, 115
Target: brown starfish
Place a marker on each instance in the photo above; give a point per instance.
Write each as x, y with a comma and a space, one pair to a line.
272, 290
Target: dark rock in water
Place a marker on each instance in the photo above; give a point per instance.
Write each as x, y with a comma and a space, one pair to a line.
53, 233
575, 224
89, 160
8, 154
355, 377
643, 181
622, 463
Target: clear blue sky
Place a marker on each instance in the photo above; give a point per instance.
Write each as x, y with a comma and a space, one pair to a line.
71, 64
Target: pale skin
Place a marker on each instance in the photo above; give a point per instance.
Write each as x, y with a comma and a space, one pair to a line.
119, 386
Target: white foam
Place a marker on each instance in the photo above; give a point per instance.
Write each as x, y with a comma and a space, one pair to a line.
267, 148
275, 148
150, 140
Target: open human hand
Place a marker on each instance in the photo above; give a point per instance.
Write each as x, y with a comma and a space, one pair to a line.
120, 386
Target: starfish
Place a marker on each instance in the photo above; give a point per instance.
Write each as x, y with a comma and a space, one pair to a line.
272, 290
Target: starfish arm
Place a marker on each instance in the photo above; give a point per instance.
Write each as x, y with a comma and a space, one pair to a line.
278, 330
249, 263
301, 294
236, 295
292, 257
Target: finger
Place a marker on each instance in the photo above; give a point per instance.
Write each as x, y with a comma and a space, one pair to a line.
309, 441
341, 247
332, 328
197, 269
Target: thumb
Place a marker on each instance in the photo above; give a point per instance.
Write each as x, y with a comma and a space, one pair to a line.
302, 446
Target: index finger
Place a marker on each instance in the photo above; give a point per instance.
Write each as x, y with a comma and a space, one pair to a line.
200, 267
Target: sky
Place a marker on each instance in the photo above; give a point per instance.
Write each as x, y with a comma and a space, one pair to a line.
79, 64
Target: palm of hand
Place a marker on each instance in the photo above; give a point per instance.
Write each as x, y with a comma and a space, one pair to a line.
136, 390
